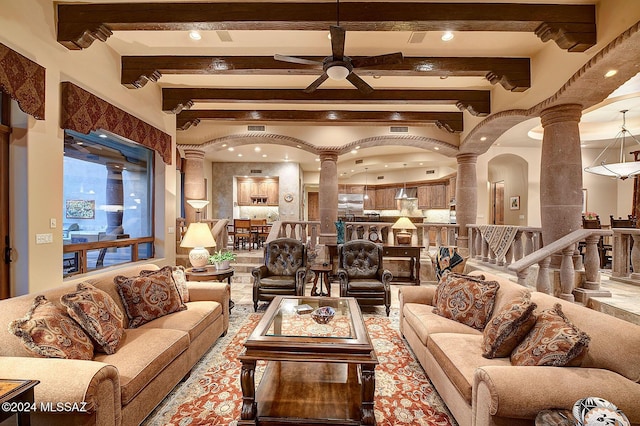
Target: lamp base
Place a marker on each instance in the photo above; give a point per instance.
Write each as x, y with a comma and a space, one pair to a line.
199, 257
404, 237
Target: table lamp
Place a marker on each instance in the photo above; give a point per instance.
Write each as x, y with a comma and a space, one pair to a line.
198, 236
403, 236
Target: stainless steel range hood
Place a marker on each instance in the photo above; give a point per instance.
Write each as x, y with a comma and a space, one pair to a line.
407, 194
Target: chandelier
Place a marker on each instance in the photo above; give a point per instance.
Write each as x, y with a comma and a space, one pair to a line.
622, 169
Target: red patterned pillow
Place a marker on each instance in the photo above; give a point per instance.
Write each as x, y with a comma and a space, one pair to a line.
508, 327
465, 299
149, 296
97, 314
48, 331
181, 282
553, 341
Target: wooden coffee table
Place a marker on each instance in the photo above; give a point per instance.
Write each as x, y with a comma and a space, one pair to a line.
16, 397
316, 373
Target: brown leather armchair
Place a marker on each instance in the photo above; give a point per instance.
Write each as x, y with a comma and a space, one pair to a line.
283, 272
361, 273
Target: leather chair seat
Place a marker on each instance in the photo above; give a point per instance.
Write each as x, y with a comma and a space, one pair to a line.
365, 284
277, 281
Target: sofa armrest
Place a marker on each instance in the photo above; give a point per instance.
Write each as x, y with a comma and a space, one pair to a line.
95, 386
214, 291
522, 392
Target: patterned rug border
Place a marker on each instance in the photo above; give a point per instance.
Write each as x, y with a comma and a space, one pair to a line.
434, 411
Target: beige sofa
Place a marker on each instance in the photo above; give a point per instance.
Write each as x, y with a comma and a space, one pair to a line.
481, 391
122, 388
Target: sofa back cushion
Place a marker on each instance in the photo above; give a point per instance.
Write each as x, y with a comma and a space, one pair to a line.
614, 342
508, 327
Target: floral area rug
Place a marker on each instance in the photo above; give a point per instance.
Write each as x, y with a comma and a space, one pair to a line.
212, 394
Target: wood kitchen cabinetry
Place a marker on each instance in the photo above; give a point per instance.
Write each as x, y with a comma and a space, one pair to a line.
370, 203
386, 198
433, 196
258, 191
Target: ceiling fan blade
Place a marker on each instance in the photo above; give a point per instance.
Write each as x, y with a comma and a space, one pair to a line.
337, 42
313, 86
296, 60
373, 61
360, 84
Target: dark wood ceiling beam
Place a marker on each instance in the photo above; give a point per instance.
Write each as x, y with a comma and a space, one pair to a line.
450, 121
572, 27
512, 73
477, 102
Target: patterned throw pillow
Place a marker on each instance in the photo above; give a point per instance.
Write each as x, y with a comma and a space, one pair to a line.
151, 295
47, 331
97, 314
181, 282
466, 299
503, 333
553, 341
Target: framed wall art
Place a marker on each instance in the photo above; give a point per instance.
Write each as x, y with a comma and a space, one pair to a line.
80, 209
514, 202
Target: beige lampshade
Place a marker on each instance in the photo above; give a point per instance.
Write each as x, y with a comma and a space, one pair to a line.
198, 204
198, 236
403, 223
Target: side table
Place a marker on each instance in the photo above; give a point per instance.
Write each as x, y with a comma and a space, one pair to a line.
322, 272
17, 397
211, 274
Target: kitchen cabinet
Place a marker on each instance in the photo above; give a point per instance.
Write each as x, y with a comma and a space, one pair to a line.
258, 191
370, 203
433, 196
385, 198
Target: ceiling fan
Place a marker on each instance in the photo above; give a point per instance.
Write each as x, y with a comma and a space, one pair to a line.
338, 66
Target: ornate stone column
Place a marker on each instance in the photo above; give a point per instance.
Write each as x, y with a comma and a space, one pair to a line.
114, 196
328, 196
466, 198
560, 174
193, 167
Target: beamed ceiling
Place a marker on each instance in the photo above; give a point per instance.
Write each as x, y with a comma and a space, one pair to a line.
506, 62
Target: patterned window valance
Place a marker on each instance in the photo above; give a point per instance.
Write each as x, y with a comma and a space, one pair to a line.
23, 80
83, 112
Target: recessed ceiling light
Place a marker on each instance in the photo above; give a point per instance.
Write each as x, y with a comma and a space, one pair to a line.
354, 151
239, 155
447, 36
386, 165
421, 164
358, 147
319, 168
610, 73
317, 159
194, 35
351, 170
436, 148
102, 135
484, 138
230, 148
376, 76
298, 146
264, 155
224, 145
257, 149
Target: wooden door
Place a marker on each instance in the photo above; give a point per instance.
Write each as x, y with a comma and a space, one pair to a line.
313, 206
497, 203
5, 243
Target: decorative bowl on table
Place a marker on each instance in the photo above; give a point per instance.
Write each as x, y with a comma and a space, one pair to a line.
323, 315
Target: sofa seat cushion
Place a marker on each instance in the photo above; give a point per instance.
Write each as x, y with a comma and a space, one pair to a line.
197, 317
365, 285
425, 323
459, 355
278, 281
142, 355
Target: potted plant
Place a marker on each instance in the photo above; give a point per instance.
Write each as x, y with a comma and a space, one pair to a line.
222, 259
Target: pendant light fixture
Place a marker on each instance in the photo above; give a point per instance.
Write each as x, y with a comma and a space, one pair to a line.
366, 195
605, 164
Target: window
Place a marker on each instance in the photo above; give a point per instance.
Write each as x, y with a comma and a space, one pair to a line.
108, 199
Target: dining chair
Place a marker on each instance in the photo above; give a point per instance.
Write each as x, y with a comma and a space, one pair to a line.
242, 233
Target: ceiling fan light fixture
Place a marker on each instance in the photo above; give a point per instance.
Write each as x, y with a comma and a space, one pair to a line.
338, 72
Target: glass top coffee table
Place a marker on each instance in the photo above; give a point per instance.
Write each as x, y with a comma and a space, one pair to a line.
316, 373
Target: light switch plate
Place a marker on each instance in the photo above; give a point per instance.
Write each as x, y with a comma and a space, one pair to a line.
52, 223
